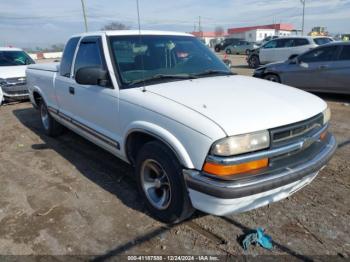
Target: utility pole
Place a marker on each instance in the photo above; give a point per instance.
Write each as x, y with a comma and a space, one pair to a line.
199, 26
84, 14
303, 20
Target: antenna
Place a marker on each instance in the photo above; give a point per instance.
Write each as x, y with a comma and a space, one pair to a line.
138, 16
84, 14
140, 36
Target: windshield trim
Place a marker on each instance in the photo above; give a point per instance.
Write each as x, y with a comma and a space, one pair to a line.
123, 85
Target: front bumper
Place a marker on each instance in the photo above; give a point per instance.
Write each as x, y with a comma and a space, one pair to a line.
221, 197
15, 92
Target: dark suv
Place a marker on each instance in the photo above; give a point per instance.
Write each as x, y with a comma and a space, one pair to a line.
226, 42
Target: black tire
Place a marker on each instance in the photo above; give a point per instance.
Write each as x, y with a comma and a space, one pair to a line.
50, 125
217, 49
254, 61
272, 78
228, 51
177, 206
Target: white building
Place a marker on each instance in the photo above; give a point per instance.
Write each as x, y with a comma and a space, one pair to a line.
259, 33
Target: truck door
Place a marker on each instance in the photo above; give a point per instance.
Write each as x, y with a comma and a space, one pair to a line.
64, 79
96, 107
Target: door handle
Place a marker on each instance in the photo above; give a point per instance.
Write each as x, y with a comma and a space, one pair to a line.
323, 67
71, 90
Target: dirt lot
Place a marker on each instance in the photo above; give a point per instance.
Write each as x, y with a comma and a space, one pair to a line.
67, 196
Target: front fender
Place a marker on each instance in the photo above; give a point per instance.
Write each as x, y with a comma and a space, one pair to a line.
165, 136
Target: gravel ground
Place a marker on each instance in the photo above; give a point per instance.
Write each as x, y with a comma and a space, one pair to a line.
65, 196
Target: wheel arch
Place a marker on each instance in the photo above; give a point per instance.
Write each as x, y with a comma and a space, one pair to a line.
140, 133
37, 97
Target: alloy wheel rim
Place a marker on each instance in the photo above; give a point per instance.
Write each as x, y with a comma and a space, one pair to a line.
156, 184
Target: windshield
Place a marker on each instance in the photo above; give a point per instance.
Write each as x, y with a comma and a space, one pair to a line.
14, 58
164, 58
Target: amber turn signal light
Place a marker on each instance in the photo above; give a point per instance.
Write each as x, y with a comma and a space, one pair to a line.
225, 170
324, 135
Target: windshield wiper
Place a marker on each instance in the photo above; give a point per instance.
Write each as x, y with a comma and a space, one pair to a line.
213, 72
162, 77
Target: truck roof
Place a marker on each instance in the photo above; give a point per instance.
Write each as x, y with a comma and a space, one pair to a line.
10, 49
133, 32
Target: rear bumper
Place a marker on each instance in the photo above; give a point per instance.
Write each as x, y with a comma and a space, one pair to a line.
221, 197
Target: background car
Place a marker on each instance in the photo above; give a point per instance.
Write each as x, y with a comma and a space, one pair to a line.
226, 42
323, 69
13, 63
282, 49
241, 48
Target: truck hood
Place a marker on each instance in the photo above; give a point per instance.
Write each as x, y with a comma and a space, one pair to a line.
12, 71
240, 104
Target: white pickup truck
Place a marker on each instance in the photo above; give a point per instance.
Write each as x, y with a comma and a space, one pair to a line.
198, 136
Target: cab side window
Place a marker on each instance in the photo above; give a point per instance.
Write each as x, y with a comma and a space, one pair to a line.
89, 54
67, 58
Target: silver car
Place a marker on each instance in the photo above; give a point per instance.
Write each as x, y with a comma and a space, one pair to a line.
241, 48
323, 69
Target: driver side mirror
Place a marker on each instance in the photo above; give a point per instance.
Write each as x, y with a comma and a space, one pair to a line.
92, 76
293, 59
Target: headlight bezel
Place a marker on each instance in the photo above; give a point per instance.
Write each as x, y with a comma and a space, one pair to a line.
326, 115
241, 144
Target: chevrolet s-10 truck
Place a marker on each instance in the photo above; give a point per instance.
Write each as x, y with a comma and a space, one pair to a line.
198, 136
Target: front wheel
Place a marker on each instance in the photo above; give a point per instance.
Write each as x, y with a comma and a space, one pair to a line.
50, 125
272, 78
228, 51
161, 184
254, 61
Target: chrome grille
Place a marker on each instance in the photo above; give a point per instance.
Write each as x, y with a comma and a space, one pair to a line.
290, 133
17, 92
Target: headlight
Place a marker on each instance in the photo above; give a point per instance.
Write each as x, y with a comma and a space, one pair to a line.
240, 144
2, 81
326, 115
260, 69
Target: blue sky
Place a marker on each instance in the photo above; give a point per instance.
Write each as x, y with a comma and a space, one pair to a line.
30, 23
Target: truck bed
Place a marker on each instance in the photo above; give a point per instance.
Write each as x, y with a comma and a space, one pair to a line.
52, 67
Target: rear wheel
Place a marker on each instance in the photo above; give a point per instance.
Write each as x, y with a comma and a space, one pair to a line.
228, 51
161, 184
272, 78
217, 49
254, 61
50, 125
